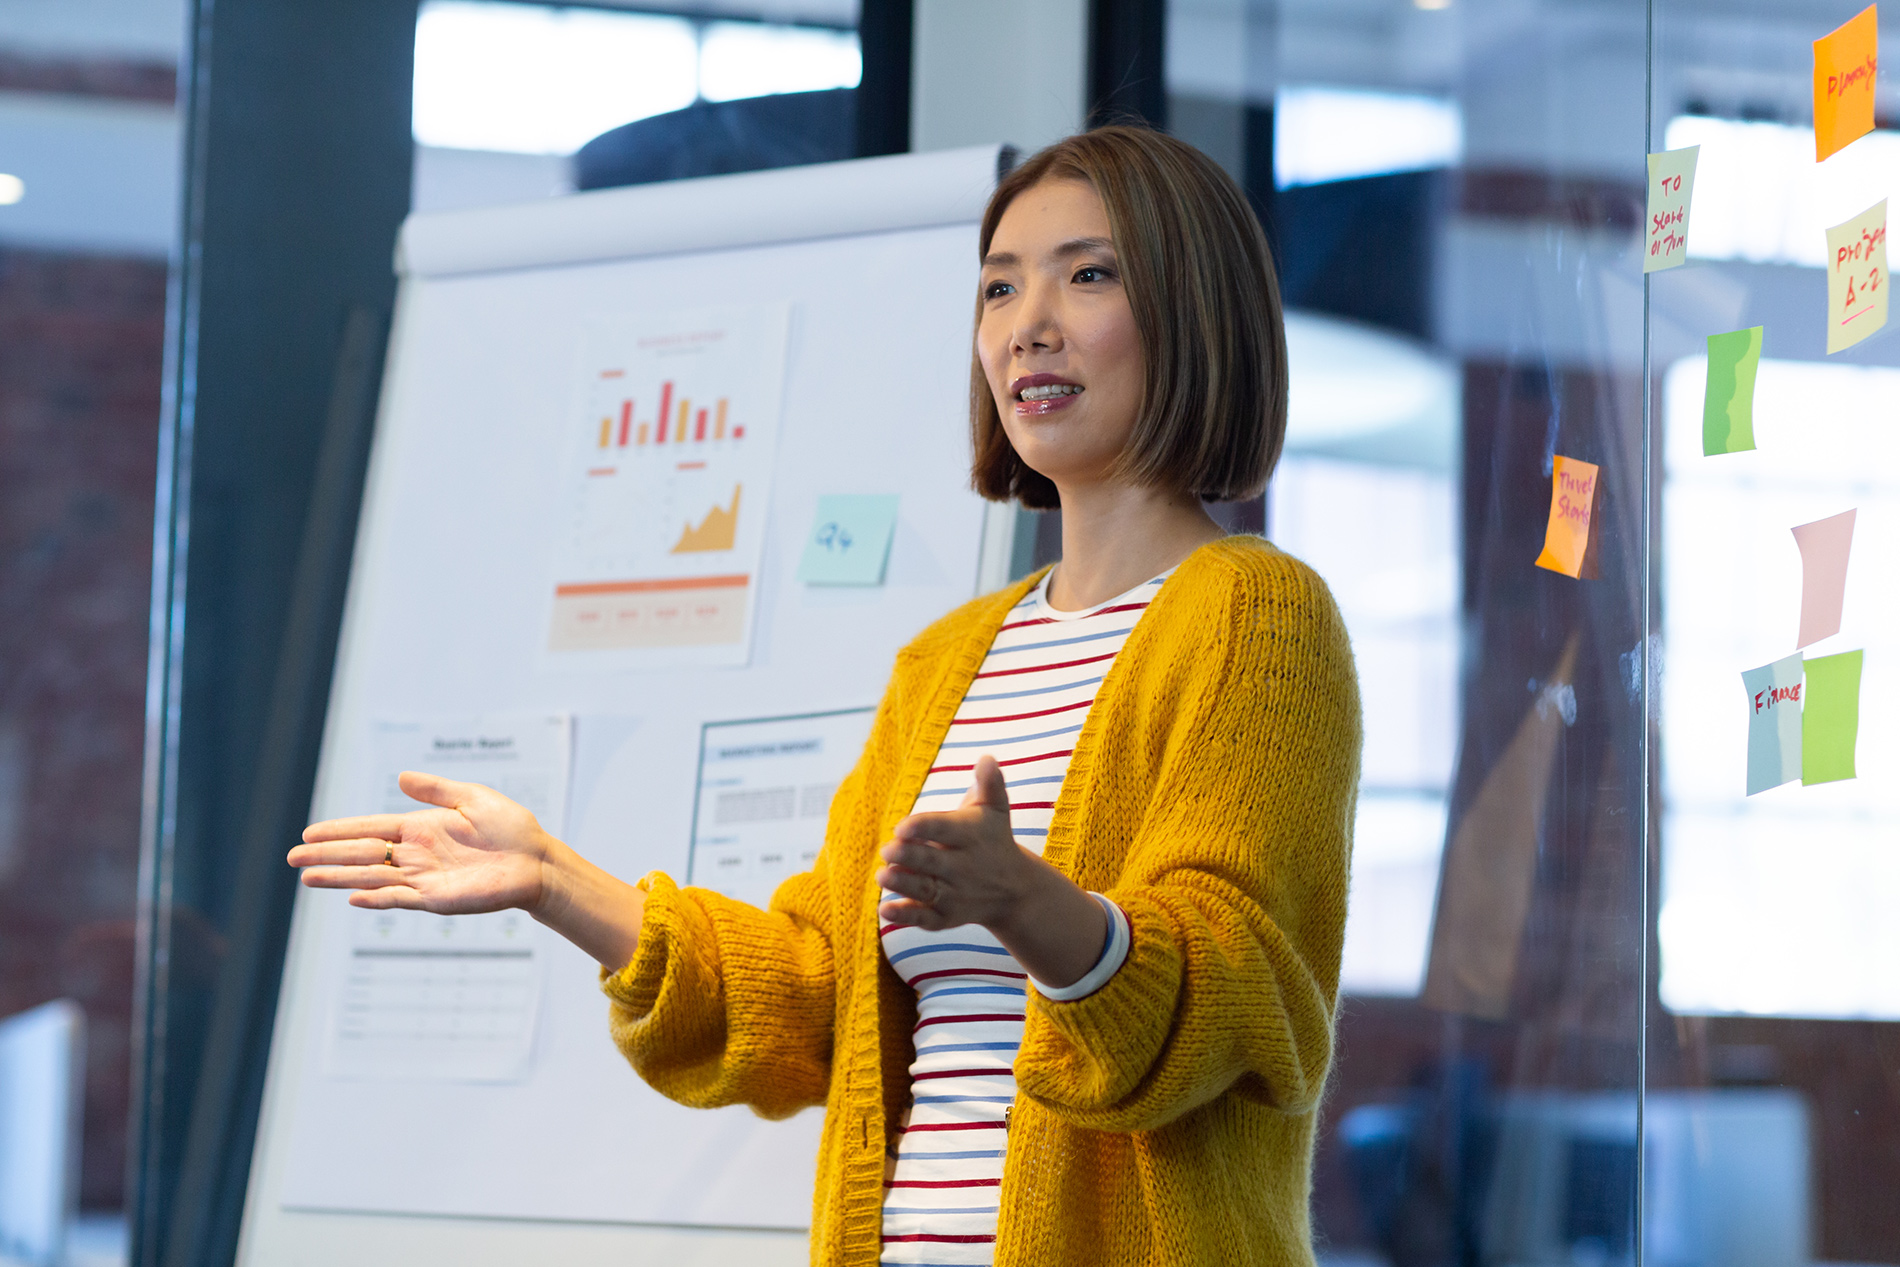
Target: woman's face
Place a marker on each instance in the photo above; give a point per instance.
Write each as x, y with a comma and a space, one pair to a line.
1057, 339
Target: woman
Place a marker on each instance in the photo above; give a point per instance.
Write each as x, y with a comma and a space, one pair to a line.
1063, 975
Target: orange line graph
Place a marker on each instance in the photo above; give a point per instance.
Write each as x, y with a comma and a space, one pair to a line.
717, 531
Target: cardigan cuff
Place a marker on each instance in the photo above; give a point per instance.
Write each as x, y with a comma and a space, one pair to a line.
1114, 954
636, 987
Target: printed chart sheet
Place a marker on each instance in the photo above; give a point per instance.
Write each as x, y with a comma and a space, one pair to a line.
671, 450
765, 790
451, 997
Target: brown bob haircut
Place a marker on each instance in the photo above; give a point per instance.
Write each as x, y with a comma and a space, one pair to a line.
1200, 279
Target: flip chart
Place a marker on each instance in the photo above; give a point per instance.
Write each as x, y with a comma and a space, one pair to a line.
1823, 545
1844, 63
1570, 540
1857, 277
1728, 405
1671, 185
850, 540
1830, 718
1774, 723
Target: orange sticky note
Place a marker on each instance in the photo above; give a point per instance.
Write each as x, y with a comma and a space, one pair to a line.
1570, 542
1844, 63
1857, 277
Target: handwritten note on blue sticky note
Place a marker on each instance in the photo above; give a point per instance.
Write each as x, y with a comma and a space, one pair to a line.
850, 540
1774, 723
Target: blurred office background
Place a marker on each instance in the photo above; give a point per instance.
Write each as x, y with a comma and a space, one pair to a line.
1599, 1008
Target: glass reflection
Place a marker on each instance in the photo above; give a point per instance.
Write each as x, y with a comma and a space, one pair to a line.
1454, 192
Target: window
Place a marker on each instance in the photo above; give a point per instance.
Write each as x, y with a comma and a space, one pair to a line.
1781, 903
535, 79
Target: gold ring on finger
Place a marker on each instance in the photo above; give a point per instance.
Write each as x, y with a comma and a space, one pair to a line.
389, 854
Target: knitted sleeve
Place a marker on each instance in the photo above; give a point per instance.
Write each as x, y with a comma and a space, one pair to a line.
1235, 879
725, 1003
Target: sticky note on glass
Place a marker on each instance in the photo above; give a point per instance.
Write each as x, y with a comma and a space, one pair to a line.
850, 540
1830, 717
1728, 405
1671, 185
1857, 277
1844, 61
1774, 723
1824, 545
1570, 540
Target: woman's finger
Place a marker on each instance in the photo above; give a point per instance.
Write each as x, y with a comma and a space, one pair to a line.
341, 853
923, 888
912, 915
433, 789
389, 898
988, 790
376, 877
923, 859
956, 828
382, 826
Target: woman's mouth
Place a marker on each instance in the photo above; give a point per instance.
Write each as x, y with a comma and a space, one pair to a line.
1040, 394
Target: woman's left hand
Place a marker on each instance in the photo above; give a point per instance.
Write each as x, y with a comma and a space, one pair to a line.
965, 867
962, 866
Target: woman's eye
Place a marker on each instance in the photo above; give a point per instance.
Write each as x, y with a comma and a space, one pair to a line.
1092, 273
997, 289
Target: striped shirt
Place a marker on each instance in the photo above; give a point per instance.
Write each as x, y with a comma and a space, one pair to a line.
1025, 708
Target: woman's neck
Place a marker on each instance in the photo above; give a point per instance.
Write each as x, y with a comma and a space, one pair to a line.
1115, 537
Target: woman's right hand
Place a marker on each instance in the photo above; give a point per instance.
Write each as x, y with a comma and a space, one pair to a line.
475, 851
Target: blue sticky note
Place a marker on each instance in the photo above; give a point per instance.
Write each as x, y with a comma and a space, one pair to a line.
850, 540
1774, 723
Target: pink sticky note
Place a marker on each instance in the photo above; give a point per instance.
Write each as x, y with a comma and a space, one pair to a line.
1823, 545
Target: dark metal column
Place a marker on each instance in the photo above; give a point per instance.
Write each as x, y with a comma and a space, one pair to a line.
297, 177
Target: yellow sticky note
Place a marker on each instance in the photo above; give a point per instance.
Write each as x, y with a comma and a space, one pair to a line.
1671, 183
1857, 277
1844, 63
1569, 542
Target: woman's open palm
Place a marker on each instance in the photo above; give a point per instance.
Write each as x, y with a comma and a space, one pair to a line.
475, 851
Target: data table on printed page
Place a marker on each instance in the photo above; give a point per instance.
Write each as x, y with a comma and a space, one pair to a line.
450, 997
765, 790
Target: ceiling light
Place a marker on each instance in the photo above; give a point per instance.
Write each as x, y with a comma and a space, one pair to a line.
12, 189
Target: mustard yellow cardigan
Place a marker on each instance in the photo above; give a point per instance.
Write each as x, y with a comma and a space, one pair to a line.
1165, 1119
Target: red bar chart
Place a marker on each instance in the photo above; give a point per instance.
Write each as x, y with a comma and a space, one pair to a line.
673, 423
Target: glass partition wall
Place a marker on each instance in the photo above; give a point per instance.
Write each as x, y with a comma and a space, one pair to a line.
1454, 189
1601, 1003
1772, 1049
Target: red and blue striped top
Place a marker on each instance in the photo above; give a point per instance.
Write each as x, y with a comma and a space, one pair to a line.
1025, 708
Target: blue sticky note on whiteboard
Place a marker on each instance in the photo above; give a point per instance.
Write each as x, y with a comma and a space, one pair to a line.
850, 540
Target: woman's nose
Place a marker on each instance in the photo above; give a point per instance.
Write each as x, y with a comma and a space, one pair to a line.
1036, 326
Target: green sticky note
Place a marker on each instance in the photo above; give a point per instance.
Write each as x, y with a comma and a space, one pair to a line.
1830, 717
850, 540
1728, 409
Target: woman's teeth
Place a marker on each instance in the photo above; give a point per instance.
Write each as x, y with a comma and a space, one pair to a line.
1052, 389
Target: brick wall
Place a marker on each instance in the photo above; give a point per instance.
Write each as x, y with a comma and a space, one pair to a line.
81, 347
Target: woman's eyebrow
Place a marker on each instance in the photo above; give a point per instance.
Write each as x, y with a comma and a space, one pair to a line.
1073, 247
1084, 246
